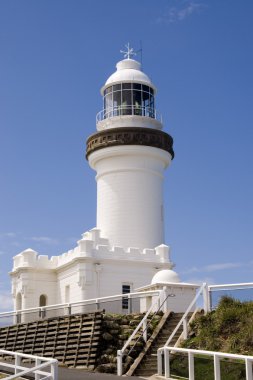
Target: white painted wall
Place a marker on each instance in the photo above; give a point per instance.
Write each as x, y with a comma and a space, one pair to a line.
130, 194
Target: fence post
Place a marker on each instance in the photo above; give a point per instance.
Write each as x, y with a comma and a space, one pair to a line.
248, 365
37, 375
119, 363
159, 362
216, 362
54, 370
17, 363
191, 366
166, 363
206, 298
130, 305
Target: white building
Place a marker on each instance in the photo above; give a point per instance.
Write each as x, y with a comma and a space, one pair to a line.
129, 153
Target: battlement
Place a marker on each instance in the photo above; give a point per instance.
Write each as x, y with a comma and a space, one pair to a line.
91, 246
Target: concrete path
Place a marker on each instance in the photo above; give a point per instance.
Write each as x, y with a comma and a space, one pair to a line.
79, 374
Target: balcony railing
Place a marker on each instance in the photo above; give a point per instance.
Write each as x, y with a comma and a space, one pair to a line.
125, 110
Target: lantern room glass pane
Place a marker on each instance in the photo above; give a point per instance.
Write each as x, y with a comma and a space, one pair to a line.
126, 86
126, 102
137, 103
129, 99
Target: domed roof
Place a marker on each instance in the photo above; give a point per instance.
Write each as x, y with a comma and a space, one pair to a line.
128, 70
165, 276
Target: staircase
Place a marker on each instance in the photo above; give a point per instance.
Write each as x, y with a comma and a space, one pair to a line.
147, 366
73, 340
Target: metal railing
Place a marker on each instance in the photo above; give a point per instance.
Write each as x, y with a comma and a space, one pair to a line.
110, 304
143, 325
125, 110
203, 290
48, 365
165, 352
243, 292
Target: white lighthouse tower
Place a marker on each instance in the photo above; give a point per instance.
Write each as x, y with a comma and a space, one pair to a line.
126, 249
130, 153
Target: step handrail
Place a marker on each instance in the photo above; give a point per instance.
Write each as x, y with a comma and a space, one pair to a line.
143, 323
183, 320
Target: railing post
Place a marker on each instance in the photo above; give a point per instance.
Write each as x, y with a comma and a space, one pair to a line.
160, 361
97, 304
144, 329
54, 370
130, 304
216, 362
185, 328
17, 363
119, 363
69, 309
248, 365
37, 375
166, 363
191, 366
206, 298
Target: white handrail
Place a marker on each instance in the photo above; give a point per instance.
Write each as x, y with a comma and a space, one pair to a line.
40, 363
183, 319
191, 352
91, 301
242, 285
127, 110
141, 324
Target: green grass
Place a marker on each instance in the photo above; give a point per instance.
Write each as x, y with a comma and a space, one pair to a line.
227, 329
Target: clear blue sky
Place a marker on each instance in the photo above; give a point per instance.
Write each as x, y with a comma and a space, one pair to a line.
55, 57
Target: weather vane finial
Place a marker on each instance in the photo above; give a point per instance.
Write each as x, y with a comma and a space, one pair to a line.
129, 52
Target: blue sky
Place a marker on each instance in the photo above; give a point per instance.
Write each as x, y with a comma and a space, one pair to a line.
55, 57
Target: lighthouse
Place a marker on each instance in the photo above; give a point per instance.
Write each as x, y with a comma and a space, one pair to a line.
130, 153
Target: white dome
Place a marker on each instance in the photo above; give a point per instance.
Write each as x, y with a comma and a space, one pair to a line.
128, 70
165, 276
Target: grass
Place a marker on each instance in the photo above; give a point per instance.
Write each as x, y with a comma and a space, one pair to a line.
227, 329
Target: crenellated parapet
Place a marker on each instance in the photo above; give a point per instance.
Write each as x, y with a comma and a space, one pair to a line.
91, 246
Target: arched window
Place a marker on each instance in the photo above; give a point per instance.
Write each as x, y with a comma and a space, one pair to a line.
43, 300
18, 301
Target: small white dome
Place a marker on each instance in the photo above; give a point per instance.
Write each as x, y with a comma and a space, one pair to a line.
165, 276
128, 70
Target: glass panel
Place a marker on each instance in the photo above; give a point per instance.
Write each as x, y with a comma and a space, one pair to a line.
145, 88
116, 103
116, 87
137, 103
108, 105
108, 90
151, 90
126, 86
151, 105
126, 102
145, 103
136, 86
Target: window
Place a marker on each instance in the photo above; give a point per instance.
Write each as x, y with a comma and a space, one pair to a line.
43, 300
125, 289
